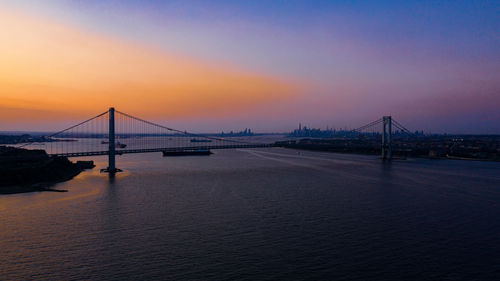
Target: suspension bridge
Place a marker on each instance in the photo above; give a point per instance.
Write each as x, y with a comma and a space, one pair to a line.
114, 133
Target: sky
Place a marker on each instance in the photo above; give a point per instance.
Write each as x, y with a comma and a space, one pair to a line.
266, 65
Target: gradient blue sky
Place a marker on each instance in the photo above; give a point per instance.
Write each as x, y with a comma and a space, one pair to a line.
433, 65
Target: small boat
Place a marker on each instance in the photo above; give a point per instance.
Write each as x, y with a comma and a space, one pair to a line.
117, 144
120, 145
202, 140
187, 152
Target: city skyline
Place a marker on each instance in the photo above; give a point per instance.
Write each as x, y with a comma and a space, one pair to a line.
265, 65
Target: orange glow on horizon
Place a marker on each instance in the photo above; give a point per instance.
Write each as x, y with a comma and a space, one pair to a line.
49, 71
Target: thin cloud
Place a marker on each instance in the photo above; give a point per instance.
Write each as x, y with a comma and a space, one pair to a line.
50, 67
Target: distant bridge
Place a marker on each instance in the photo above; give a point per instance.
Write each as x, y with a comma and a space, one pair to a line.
114, 133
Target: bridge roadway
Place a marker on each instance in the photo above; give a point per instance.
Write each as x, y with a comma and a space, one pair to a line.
146, 150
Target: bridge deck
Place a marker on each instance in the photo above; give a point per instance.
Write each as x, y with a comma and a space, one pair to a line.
146, 150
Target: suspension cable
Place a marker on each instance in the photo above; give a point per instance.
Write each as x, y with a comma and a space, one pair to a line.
179, 131
401, 127
367, 125
62, 131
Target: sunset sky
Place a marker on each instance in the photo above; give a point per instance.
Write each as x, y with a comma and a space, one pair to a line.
268, 65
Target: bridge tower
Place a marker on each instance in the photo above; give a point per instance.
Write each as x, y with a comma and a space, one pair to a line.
111, 139
387, 138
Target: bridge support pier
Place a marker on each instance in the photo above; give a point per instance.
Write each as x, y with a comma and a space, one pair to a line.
111, 138
387, 138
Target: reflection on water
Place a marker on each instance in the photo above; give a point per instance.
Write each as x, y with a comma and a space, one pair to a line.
259, 214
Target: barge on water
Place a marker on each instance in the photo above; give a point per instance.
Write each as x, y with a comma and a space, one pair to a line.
200, 140
187, 152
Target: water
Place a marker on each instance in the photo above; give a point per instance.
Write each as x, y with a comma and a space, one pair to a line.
259, 214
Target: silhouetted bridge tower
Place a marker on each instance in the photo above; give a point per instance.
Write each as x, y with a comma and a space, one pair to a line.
112, 152
387, 137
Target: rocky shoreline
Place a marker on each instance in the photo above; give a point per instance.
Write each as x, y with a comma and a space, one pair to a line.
23, 170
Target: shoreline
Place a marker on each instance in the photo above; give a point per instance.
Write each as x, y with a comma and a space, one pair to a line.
395, 157
23, 170
37, 187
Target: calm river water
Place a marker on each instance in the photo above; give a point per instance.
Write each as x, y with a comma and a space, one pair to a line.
259, 214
